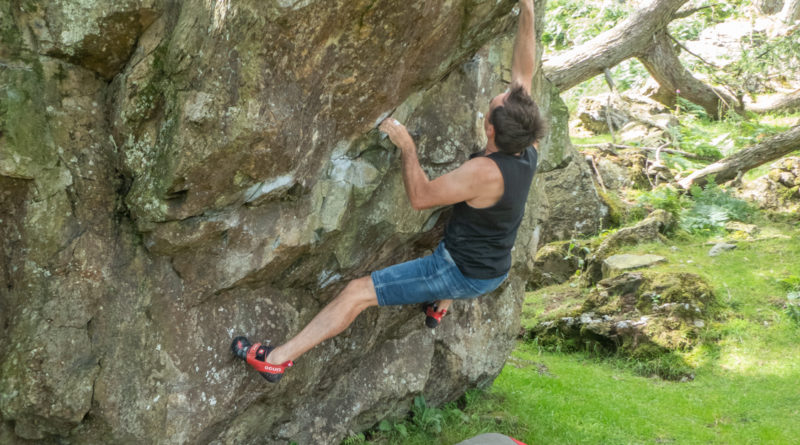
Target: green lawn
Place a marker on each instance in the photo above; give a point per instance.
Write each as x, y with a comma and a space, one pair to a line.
746, 388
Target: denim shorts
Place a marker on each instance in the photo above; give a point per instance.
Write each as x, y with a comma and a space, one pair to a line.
427, 279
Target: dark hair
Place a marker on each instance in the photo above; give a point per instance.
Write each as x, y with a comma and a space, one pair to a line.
517, 123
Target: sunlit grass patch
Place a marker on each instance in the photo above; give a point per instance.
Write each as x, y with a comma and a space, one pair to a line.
746, 367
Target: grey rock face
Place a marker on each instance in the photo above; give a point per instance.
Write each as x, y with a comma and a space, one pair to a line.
212, 169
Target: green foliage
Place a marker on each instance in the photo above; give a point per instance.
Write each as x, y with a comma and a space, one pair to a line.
355, 439
578, 251
760, 59
668, 366
713, 206
666, 198
694, 139
793, 306
426, 418
559, 32
393, 429
690, 27
705, 213
792, 285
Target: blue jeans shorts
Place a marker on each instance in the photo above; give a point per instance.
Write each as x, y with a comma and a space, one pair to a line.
430, 278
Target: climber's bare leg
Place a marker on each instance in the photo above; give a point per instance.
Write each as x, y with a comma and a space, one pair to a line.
330, 321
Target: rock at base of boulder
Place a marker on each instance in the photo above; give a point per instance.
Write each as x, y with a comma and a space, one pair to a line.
718, 248
616, 264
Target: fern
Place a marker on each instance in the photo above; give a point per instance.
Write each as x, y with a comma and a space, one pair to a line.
712, 207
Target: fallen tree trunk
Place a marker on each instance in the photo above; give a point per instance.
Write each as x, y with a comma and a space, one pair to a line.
663, 64
608, 49
787, 103
729, 168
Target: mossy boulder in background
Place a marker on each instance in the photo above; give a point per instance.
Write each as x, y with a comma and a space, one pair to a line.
637, 314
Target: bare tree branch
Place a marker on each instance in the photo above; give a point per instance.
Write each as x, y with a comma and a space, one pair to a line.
628, 38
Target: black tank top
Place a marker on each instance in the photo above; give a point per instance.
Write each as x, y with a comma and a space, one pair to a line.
480, 240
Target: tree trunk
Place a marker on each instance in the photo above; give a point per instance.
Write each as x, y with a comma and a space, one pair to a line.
663, 63
790, 12
769, 7
785, 103
726, 169
630, 37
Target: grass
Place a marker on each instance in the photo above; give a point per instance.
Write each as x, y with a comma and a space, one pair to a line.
598, 139
747, 369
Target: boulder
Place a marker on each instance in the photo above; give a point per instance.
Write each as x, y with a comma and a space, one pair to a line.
648, 230
556, 263
596, 113
174, 174
778, 190
740, 229
635, 117
638, 314
622, 169
617, 264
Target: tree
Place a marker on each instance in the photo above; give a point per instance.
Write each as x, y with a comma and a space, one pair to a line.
740, 162
786, 103
630, 37
790, 12
663, 64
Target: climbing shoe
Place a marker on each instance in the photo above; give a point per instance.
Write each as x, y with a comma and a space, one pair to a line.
432, 316
256, 356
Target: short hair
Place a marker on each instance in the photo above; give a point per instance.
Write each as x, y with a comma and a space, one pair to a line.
517, 122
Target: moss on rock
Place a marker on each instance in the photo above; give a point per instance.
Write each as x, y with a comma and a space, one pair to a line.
643, 315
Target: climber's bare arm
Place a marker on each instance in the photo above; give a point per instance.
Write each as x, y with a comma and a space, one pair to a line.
523, 64
477, 180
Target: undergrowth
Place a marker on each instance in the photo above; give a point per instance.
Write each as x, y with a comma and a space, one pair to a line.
705, 210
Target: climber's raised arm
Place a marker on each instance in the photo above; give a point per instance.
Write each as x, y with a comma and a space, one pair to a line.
524, 59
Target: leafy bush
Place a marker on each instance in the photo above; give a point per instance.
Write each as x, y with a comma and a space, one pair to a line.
712, 207
427, 418
792, 285
667, 198
694, 139
355, 439
793, 306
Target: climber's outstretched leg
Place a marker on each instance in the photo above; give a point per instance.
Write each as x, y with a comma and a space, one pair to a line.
333, 319
271, 361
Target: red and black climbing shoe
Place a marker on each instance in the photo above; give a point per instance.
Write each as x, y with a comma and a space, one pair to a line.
256, 356
432, 316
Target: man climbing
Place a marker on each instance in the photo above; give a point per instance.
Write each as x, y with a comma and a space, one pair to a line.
489, 192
